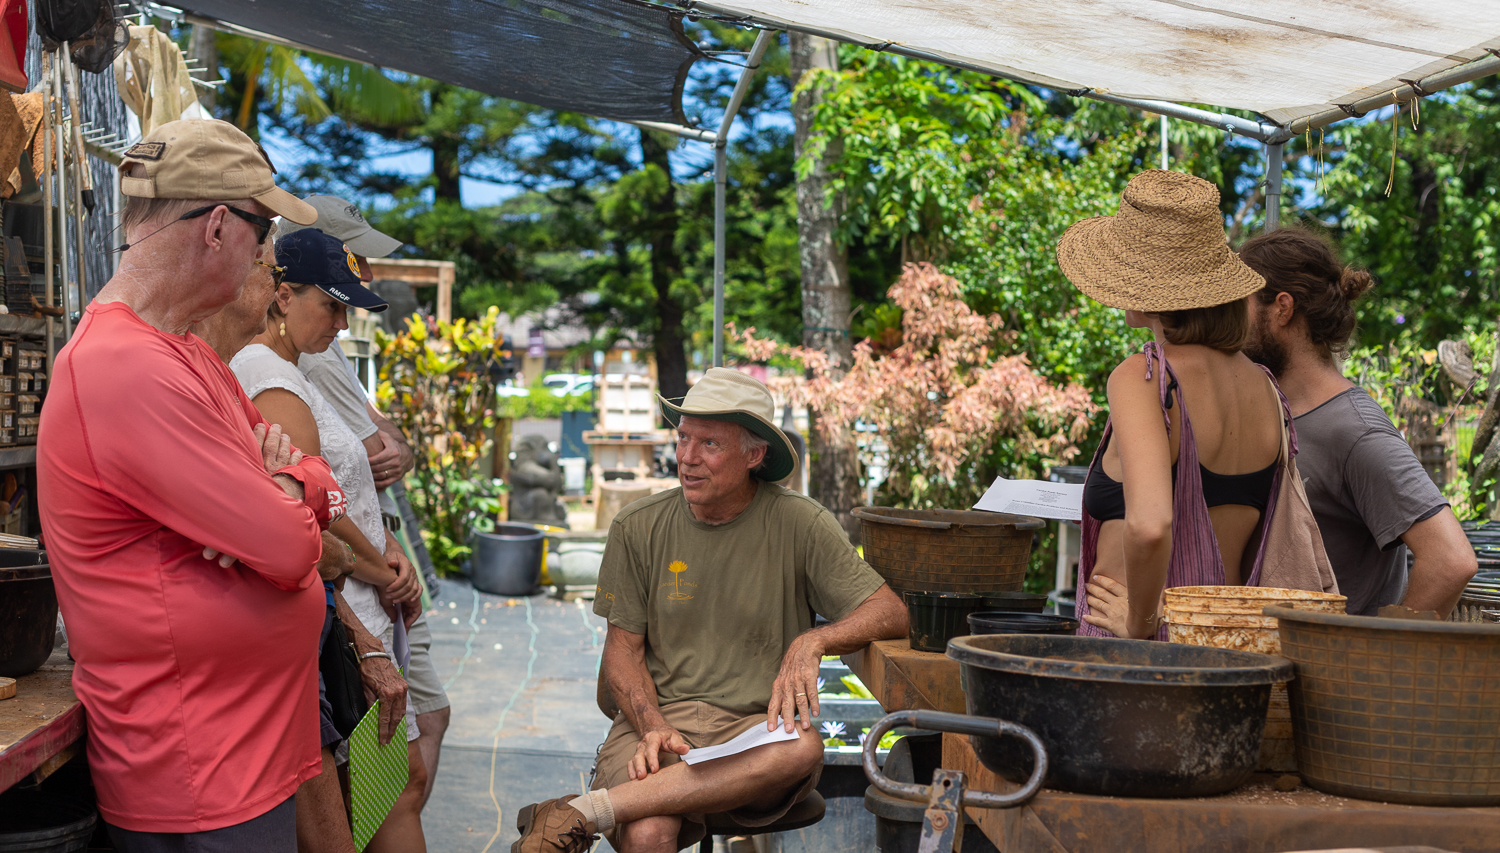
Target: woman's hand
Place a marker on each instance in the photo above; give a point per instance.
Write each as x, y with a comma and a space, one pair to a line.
1109, 608
406, 588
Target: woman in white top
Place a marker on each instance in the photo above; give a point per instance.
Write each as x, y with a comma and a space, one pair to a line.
319, 280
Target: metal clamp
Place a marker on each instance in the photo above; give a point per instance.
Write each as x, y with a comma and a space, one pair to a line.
943, 721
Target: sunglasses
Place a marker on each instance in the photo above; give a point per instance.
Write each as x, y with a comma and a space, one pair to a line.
278, 274
262, 224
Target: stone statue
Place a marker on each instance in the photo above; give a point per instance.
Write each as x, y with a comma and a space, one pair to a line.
536, 480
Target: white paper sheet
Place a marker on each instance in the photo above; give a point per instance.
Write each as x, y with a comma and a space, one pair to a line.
757, 736
1038, 498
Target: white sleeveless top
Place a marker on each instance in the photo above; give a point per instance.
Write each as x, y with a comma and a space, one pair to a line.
259, 369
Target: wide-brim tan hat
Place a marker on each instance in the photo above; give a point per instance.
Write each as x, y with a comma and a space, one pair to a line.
729, 395
1164, 251
210, 160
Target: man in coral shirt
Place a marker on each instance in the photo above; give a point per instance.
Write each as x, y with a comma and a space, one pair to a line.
183, 530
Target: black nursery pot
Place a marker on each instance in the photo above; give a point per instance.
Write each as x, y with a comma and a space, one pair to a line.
992, 622
937, 617
1019, 602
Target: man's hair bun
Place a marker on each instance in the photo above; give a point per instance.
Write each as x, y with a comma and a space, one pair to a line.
1353, 283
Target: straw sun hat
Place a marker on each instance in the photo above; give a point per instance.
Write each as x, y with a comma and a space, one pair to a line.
729, 395
1164, 251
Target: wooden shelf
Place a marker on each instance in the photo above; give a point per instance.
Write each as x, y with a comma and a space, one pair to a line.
22, 456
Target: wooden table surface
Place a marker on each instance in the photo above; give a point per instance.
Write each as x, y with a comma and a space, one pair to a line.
1255, 818
41, 726
904, 680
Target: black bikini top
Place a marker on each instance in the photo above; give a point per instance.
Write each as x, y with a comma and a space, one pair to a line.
1104, 498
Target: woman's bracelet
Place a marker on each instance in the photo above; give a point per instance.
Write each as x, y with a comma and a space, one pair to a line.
368, 655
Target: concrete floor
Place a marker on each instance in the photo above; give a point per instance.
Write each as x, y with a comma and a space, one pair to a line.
521, 674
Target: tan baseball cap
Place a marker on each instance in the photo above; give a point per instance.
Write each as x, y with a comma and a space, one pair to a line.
208, 159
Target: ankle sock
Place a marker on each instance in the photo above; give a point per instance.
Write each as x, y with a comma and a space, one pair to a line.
596, 808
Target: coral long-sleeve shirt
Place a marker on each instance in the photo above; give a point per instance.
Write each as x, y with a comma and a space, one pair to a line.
199, 682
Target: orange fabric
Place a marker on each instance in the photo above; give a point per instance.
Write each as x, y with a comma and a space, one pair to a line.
200, 683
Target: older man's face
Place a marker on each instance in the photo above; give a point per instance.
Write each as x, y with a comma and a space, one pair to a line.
244, 318
711, 463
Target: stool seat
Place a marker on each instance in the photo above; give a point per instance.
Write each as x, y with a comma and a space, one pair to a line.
803, 814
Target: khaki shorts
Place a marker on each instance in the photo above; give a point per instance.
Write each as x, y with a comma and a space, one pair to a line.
701, 724
426, 689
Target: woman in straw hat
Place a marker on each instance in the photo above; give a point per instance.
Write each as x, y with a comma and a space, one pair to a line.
1172, 500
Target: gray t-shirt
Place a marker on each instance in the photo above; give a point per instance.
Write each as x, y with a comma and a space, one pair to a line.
332, 373
1367, 489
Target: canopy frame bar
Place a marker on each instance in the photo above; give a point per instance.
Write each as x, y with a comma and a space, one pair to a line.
721, 179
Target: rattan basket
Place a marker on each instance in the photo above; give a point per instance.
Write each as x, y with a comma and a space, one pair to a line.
1396, 710
947, 550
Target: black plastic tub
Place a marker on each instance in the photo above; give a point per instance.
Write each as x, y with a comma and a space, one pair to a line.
937, 617
28, 619
35, 822
507, 561
1123, 718
1003, 622
1017, 602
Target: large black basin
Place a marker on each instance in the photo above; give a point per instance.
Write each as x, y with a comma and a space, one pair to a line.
1124, 718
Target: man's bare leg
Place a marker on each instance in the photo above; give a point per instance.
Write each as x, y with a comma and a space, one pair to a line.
432, 725
651, 835
322, 825
647, 809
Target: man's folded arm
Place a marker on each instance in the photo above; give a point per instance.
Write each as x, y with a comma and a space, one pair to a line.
183, 467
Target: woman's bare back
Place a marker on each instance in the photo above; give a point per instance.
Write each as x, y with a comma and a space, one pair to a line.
1236, 425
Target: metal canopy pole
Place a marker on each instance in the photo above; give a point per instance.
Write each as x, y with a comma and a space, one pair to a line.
1273, 186
752, 62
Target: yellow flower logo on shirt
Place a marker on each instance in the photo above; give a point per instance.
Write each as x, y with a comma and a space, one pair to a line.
677, 567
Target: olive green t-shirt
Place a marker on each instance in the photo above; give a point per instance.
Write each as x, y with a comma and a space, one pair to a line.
719, 604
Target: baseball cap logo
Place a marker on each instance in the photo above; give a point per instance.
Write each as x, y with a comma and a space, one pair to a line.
146, 150
353, 213
353, 264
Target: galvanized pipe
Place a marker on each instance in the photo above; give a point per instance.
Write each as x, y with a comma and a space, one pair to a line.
721, 178
62, 194
47, 201
1273, 185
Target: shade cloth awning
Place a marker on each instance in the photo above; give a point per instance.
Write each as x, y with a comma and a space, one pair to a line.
1288, 60
604, 58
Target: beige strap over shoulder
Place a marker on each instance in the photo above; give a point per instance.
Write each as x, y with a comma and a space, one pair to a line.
1294, 557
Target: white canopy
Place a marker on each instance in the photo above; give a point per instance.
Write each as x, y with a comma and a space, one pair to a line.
1292, 61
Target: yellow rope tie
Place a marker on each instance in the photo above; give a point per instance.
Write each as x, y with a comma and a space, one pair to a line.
1390, 182
1322, 164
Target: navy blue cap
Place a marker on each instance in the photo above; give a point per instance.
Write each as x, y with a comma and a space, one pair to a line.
312, 257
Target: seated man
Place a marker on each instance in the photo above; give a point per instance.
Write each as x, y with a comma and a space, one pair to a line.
710, 591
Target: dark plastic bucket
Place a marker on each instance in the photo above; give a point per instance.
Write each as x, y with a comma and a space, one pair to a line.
1018, 602
1121, 718
28, 621
992, 622
35, 822
937, 617
508, 561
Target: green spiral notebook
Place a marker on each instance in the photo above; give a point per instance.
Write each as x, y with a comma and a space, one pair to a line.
377, 774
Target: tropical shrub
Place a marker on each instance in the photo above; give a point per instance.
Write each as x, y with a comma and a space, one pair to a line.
437, 383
